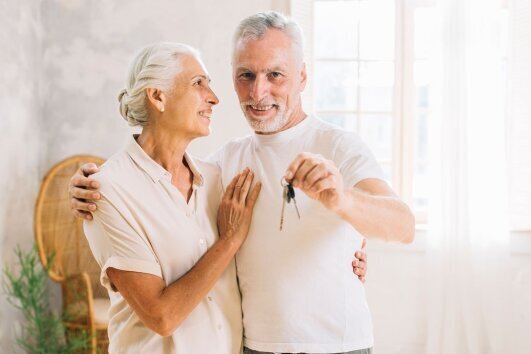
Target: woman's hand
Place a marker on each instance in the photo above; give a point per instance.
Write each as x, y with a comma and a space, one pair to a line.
236, 208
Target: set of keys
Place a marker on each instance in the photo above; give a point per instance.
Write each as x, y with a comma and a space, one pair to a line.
288, 194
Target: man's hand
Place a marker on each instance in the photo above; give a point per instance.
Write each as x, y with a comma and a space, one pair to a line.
83, 191
318, 177
359, 266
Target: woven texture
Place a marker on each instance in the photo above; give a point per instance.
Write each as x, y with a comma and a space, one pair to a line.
59, 237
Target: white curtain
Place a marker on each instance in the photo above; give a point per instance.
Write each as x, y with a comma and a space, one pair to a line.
468, 238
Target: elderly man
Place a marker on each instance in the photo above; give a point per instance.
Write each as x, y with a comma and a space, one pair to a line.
295, 276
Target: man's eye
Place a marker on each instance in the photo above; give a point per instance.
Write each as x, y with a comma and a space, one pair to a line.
275, 74
246, 75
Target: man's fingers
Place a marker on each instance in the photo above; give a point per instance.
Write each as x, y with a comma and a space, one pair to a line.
80, 193
246, 186
88, 169
82, 215
359, 265
78, 205
294, 166
323, 184
317, 173
83, 182
360, 255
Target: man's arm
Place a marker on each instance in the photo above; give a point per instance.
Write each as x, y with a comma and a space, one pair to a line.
370, 206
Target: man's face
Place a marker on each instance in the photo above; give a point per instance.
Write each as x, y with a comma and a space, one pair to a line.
269, 78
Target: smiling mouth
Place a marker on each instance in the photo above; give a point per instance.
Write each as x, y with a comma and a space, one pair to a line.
205, 114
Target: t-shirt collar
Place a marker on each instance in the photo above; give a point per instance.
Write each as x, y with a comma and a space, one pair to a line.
153, 169
285, 135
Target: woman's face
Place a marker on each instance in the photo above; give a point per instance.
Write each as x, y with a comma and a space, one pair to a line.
189, 106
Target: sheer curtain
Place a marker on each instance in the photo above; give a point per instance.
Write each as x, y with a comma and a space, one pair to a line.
468, 238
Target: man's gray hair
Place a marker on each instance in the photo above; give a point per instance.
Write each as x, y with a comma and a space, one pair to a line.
255, 26
155, 66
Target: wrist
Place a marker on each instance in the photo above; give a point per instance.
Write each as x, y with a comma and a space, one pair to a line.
344, 204
231, 241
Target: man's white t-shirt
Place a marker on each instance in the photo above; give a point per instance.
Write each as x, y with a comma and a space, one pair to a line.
299, 293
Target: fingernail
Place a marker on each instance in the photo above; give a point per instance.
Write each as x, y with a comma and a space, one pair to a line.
95, 185
88, 217
92, 207
288, 174
96, 196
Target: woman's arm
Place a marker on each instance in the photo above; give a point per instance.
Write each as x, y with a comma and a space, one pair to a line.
163, 308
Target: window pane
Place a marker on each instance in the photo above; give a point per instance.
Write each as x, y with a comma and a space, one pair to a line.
377, 29
376, 130
346, 121
336, 26
335, 86
378, 99
421, 187
376, 81
387, 171
377, 73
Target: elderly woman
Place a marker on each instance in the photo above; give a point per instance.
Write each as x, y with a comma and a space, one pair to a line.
165, 250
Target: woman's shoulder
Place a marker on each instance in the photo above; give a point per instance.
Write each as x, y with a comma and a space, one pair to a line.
114, 170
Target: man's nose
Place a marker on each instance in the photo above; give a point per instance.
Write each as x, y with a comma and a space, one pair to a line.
259, 89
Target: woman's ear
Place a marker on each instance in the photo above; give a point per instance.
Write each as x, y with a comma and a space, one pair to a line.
156, 98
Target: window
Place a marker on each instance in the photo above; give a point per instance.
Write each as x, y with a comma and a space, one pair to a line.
372, 74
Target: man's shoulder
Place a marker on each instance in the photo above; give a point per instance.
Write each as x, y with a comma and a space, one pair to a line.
230, 148
332, 133
206, 167
237, 143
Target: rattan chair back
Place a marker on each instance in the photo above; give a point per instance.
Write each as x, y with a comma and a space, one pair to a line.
59, 234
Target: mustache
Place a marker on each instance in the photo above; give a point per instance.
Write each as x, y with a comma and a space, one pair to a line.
259, 103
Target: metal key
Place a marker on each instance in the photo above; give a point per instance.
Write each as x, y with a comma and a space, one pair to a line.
291, 196
288, 194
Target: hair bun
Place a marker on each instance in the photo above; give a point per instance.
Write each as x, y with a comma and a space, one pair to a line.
123, 105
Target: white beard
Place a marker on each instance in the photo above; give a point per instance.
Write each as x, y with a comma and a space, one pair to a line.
267, 126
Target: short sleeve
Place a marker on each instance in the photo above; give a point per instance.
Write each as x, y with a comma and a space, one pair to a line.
355, 160
116, 244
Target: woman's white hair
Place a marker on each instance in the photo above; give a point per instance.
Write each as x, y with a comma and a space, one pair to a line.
155, 66
255, 26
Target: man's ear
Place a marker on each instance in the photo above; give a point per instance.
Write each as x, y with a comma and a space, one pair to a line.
156, 98
304, 77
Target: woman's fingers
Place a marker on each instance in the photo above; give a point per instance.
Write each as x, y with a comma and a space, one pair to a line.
246, 187
239, 185
253, 196
230, 188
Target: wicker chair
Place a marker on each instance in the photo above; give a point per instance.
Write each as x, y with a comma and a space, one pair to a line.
60, 235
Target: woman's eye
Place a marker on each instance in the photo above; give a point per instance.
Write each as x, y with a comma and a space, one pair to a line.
198, 82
